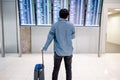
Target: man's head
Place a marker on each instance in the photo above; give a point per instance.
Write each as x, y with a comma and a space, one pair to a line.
64, 13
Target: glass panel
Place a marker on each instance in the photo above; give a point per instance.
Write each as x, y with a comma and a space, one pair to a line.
0, 40
40, 12
0, 29
93, 12
77, 11
57, 5
43, 11
27, 12
9, 20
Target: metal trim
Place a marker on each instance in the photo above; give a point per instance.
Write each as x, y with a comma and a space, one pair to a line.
2, 28
18, 30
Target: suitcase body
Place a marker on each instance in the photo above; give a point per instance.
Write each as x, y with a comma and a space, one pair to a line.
39, 72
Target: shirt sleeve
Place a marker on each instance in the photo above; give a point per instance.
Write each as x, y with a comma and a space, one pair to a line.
73, 32
49, 38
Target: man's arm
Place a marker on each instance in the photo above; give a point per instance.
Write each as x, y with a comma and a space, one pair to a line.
73, 32
49, 38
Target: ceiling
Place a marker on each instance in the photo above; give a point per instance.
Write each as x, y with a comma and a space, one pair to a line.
113, 11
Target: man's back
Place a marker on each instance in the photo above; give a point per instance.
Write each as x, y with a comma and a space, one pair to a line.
64, 33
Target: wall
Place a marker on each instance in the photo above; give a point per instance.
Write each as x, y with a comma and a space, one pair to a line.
25, 39
106, 6
86, 37
38, 36
86, 40
111, 1
113, 29
0, 29
9, 21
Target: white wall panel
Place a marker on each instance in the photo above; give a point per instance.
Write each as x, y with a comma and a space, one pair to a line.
111, 1
0, 29
113, 29
86, 40
39, 36
86, 37
9, 20
104, 22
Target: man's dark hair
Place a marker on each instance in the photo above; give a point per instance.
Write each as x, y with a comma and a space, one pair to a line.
64, 13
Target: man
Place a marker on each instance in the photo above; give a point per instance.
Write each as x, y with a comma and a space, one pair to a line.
62, 32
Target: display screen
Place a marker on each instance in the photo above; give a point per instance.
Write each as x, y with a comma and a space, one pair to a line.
92, 12
77, 12
39, 12
26, 12
57, 5
43, 11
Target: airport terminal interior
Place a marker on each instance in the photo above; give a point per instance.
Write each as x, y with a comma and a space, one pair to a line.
25, 24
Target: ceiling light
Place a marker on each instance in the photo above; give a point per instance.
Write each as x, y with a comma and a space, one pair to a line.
109, 13
117, 9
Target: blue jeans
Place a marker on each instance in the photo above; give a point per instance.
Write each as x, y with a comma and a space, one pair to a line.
57, 63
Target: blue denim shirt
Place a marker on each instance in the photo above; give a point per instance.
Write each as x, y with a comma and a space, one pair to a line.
62, 32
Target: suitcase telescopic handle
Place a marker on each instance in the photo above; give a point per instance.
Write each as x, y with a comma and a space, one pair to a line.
43, 65
43, 58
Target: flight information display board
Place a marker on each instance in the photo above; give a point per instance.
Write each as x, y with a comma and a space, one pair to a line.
57, 5
77, 12
26, 12
44, 12
93, 12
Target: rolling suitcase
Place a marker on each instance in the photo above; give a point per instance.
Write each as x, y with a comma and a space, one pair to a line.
39, 70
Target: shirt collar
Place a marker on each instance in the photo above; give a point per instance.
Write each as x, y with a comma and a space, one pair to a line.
61, 19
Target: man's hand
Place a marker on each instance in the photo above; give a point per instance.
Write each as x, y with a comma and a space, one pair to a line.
43, 50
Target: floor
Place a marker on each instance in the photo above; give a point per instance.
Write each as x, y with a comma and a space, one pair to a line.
85, 67
112, 48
